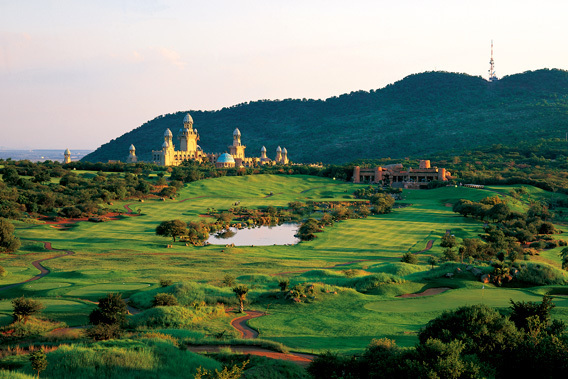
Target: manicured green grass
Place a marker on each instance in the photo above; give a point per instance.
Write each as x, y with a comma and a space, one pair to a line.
126, 256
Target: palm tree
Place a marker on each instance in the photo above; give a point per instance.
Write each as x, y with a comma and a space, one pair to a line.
241, 293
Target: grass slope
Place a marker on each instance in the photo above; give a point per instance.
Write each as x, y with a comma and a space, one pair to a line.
126, 256
419, 115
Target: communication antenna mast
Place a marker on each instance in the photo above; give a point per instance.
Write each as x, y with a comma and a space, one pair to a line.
492, 76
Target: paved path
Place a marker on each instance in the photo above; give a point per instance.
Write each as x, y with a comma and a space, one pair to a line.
37, 264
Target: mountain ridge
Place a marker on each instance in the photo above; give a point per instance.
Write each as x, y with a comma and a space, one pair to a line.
419, 115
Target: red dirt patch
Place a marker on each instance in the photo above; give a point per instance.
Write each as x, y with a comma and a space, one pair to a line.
428, 292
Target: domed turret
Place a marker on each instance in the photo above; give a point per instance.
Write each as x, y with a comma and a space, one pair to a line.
263, 153
284, 151
131, 155
168, 133
226, 158
225, 161
187, 119
67, 156
237, 132
165, 145
279, 149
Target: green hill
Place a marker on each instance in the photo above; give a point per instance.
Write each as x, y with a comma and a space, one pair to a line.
419, 115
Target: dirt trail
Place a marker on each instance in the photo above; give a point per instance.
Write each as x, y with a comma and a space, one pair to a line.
429, 245
240, 324
37, 264
428, 292
298, 358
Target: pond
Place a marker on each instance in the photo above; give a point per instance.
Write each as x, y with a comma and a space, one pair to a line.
259, 236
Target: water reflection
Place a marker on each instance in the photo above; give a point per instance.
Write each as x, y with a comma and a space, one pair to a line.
260, 236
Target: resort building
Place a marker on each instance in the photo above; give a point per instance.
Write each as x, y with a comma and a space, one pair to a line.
190, 150
396, 176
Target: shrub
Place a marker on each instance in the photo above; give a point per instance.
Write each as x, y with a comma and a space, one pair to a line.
162, 337
283, 284
538, 245
2, 272
370, 282
539, 274
175, 316
101, 332
111, 310
164, 299
166, 282
34, 327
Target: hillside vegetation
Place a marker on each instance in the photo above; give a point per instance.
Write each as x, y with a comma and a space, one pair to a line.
417, 116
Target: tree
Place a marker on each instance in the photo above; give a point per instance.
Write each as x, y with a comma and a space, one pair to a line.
382, 203
408, 257
448, 240
564, 256
307, 229
450, 255
2, 272
24, 308
38, 360
111, 310
241, 292
172, 228
432, 261
499, 212
523, 311
8, 242
482, 329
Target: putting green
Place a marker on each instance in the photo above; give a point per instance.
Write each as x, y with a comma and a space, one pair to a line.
43, 286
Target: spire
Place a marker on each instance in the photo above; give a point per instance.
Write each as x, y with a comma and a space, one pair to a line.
492, 76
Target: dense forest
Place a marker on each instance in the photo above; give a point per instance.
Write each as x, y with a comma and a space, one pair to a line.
417, 116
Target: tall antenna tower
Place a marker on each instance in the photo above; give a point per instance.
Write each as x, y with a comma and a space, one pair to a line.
492, 76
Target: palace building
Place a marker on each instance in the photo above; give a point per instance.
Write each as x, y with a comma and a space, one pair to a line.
396, 176
190, 150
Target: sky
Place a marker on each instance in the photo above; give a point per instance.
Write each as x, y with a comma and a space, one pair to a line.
78, 73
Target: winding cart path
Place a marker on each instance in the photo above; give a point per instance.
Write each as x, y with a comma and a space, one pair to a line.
42, 269
240, 324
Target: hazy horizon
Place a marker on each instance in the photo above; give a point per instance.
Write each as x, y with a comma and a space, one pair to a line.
79, 73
